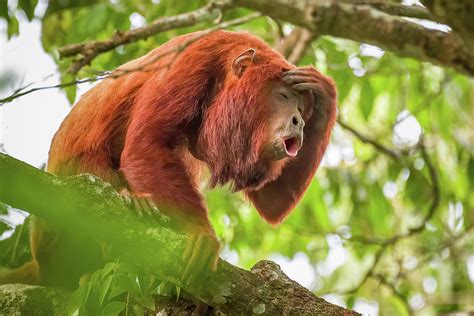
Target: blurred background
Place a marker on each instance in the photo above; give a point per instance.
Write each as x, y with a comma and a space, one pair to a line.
386, 227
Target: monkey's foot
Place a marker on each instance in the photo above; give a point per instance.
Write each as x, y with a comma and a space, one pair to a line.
201, 255
141, 203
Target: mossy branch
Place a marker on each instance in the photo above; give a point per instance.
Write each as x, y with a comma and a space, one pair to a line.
88, 206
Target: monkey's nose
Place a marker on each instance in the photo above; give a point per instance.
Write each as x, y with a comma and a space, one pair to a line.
297, 121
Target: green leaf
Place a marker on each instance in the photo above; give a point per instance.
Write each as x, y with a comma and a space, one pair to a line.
4, 10
77, 301
350, 301
128, 284
104, 289
393, 305
15, 250
13, 27
147, 301
3, 227
3, 209
28, 6
367, 97
417, 187
178, 292
71, 90
109, 267
113, 309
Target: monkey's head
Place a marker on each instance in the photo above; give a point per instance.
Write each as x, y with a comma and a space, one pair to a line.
285, 123
265, 140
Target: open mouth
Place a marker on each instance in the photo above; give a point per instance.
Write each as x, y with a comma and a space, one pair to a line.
292, 145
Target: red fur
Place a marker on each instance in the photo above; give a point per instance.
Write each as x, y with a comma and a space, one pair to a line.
140, 129
153, 125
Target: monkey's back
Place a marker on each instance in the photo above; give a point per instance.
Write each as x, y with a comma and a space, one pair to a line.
97, 123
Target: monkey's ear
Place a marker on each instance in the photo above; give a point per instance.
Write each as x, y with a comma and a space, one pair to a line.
275, 200
243, 61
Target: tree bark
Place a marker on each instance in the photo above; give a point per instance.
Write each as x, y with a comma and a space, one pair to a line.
366, 24
85, 205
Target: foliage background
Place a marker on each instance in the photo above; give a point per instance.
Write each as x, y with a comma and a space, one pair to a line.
337, 242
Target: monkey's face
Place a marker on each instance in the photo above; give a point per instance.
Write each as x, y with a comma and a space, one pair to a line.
285, 121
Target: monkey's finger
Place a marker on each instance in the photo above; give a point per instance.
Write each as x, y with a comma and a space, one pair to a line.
209, 254
212, 260
127, 199
196, 251
195, 265
188, 249
190, 257
317, 88
152, 204
142, 206
147, 206
292, 79
301, 72
137, 207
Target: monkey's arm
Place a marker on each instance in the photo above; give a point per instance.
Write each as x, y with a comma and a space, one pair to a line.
153, 169
277, 198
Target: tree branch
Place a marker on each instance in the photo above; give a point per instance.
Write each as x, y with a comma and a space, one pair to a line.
88, 51
85, 205
286, 43
301, 46
412, 11
146, 67
22, 91
384, 244
294, 45
457, 14
378, 146
366, 24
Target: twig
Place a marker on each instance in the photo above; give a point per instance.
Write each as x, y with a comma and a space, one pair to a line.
435, 188
385, 243
301, 46
88, 51
383, 149
383, 280
288, 42
183, 46
378, 256
19, 92
144, 67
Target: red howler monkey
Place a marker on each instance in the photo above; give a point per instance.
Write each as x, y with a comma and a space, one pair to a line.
227, 102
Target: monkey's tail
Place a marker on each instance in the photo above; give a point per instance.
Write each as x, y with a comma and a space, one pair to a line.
26, 274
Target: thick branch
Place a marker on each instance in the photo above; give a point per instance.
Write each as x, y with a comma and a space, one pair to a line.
412, 11
144, 67
294, 45
288, 42
86, 205
88, 51
365, 24
457, 14
301, 46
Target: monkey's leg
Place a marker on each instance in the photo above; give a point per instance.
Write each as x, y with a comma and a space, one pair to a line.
62, 257
161, 174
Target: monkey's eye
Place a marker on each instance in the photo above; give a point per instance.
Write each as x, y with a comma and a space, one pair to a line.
284, 96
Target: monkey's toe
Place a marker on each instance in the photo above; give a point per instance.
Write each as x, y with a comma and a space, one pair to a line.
201, 256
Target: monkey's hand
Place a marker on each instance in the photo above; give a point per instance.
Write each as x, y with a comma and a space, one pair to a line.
201, 256
322, 92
